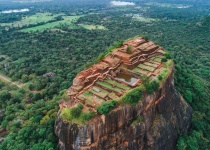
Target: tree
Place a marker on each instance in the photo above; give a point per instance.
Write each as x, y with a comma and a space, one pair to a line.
75, 112
106, 107
133, 96
4, 96
128, 49
188, 96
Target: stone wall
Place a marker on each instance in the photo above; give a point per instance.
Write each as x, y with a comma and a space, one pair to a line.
164, 115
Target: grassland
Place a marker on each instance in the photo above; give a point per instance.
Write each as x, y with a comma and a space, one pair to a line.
68, 21
113, 96
33, 19
108, 86
151, 64
140, 71
102, 93
90, 99
117, 84
142, 66
44, 18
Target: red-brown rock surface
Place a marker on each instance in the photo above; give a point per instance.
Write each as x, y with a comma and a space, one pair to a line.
163, 115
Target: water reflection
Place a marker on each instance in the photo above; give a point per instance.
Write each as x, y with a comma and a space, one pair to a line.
126, 78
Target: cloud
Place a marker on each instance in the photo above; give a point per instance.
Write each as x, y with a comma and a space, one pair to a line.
14, 11
122, 3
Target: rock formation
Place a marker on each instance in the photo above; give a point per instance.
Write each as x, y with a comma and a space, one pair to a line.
153, 123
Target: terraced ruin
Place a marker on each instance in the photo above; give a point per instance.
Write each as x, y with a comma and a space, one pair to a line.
116, 74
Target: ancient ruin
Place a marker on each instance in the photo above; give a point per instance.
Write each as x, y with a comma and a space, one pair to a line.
155, 120
116, 74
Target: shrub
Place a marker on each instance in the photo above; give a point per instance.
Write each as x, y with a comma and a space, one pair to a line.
167, 55
80, 106
31, 87
36, 96
66, 114
2, 59
106, 107
88, 64
25, 78
75, 112
99, 58
4, 96
133, 96
163, 60
128, 49
146, 38
188, 96
160, 77
86, 116
22, 91
164, 73
152, 86
138, 120
118, 44
155, 85
72, 113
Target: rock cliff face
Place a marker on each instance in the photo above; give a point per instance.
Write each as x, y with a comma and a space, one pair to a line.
163, 115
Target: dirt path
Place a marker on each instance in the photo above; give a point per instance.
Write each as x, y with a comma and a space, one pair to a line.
9, 81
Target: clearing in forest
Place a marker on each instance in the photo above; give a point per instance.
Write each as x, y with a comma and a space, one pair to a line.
68, 21
43, 21
32, 20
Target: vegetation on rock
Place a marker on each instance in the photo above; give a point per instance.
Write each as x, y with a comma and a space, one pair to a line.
133, 96
128, 49
106, 107
137, 120
31, 109
75, 115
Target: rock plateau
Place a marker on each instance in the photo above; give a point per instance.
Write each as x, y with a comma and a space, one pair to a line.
153, 123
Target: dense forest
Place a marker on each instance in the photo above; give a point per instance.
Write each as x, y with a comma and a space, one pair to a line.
37, 67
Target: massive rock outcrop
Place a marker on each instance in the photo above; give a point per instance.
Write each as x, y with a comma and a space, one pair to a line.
153, 123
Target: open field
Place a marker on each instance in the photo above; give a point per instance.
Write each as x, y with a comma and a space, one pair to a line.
33, 19
46, 17
68, 21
